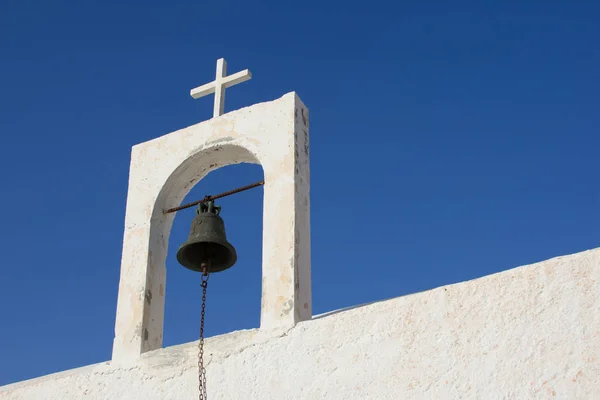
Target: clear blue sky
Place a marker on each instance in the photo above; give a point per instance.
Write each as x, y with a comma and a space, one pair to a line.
449, 140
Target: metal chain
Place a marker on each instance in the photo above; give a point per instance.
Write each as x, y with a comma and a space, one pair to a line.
201, 370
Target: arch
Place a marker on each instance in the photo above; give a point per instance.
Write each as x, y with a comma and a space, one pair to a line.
192, 170
235, 294
164, 170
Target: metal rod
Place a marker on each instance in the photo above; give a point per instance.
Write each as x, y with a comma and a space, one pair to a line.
217, 196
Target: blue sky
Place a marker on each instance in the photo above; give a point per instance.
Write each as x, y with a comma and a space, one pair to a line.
448, 141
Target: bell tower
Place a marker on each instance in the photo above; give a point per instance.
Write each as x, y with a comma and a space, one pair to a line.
163, 170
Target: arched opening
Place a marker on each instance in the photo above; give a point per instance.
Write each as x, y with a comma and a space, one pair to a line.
163, 172
233, 295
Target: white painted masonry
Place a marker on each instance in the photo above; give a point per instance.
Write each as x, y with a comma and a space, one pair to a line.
528, 333
163, 171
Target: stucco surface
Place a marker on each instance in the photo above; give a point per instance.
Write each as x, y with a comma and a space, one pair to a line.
528, 333
274, 134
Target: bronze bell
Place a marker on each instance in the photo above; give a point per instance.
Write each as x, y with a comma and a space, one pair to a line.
207, 246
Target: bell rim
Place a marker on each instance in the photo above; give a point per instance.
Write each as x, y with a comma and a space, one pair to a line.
210, 269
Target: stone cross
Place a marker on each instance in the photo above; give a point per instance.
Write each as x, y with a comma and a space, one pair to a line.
219, 85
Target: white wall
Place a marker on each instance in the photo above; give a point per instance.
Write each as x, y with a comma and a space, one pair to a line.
527, 333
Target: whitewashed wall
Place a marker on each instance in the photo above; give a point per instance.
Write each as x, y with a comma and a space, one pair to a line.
528, 333
274, 134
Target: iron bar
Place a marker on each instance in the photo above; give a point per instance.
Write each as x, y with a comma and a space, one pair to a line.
217, 196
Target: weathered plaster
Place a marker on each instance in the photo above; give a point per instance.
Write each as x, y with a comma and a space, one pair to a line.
163, 171
528, 333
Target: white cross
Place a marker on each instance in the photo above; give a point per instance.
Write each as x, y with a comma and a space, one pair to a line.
219, 85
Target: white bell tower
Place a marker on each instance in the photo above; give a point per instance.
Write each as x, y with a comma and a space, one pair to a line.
163, 170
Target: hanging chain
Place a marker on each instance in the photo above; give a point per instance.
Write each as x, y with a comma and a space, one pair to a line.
201, 370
